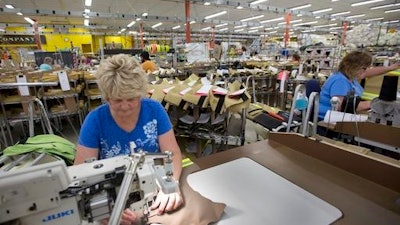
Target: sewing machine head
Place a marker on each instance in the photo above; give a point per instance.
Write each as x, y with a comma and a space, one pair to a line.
55, 194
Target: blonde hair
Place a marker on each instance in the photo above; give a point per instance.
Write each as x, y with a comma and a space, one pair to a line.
48, 60
121, 76
353, 62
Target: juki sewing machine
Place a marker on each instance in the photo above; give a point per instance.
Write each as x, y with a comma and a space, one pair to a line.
52, 193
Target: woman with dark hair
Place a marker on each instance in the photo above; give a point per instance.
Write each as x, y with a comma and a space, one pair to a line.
344, 82
147, 64
295, 58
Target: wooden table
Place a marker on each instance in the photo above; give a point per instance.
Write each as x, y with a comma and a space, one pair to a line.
364, 189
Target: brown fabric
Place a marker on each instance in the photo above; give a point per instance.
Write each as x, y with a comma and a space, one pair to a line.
197, 210
173, 96
194, 98
236, 103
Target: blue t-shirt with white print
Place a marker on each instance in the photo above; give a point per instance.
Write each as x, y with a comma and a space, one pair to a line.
99, 130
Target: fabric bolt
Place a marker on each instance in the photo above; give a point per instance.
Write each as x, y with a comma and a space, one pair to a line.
336, 85
112, 140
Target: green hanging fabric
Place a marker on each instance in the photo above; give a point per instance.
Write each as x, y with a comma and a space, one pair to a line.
44, 143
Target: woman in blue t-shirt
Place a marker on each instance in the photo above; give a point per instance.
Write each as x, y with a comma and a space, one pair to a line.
343, 82
47, 64
127, 116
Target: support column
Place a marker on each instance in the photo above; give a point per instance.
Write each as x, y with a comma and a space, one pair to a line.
287, 29
344, 26
141, 36
212, 43
37, 35
187, 14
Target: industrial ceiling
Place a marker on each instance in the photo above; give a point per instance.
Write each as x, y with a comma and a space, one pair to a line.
169, 16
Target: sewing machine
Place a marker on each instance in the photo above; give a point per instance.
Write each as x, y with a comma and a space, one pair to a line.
385, 112
385, 109
53, 193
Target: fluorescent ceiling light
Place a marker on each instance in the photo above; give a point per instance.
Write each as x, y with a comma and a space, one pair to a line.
321, 11
239, 30
131, 24
355, 16
257, 2
137, 19
221, 25
223, 29
301, 7
206, 28
145, 14
393, 10
176, 27
392, 21
239, 7
207, 3
258, 27
156, 25
123, 30
252, 18
87, 10
335, 28
293, 21
9, 6
86, 22
306, 23
29, 20
366, 2
239, 26
272, 20
375, 19
273, 32
192, 22
252, 31
88, 3
385, 6
215, 15
327, 25
340, 13
308, 31
19, 13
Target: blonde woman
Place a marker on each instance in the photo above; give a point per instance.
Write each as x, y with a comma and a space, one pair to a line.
47, 64
128, 116
354, 66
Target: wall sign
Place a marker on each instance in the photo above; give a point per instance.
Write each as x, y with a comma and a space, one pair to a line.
20, 39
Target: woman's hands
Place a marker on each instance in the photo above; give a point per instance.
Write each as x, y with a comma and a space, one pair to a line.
128, 218
167, 202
